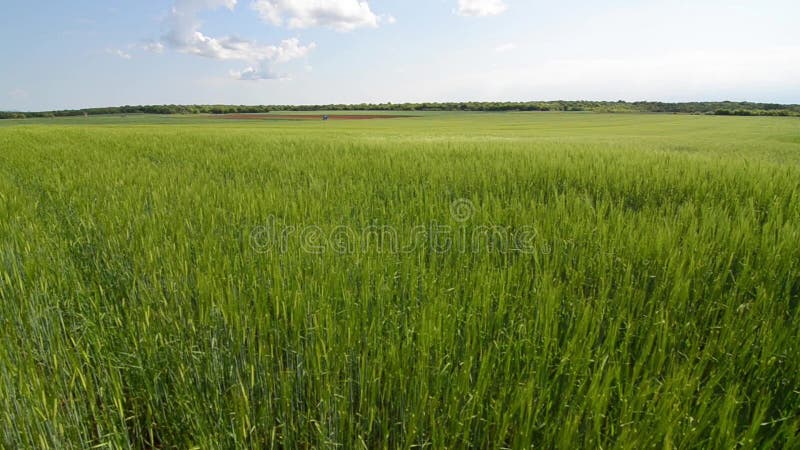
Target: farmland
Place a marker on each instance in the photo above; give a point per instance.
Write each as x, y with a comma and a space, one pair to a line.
452, 280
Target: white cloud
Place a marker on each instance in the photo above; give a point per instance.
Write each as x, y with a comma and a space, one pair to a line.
505, 48
481, 8
233, 48
184, 35
117, 52
154, 47
290, 49
340, 15
257, 73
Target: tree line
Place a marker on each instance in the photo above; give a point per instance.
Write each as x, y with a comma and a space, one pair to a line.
715, 108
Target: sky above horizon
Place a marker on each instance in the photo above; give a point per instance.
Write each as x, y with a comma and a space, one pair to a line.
92, 53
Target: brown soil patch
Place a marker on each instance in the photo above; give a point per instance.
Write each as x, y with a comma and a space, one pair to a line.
311, 116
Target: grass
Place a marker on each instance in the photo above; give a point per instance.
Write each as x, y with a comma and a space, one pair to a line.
179, 282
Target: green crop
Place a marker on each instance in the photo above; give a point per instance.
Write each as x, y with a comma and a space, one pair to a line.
447, 281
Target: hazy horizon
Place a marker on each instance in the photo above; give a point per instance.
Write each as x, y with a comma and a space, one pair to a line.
312, 105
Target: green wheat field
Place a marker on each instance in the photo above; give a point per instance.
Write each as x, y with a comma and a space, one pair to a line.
454, 280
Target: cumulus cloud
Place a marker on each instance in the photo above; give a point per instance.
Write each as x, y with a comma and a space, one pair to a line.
233, 48
481, 8
183, 22
290, 49
340, 15
184, 35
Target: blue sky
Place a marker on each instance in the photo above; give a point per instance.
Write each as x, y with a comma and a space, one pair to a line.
84, 53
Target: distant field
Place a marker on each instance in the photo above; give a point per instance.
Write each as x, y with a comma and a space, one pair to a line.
309, 116
453, 280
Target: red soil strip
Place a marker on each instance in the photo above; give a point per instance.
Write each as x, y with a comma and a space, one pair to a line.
311, 116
